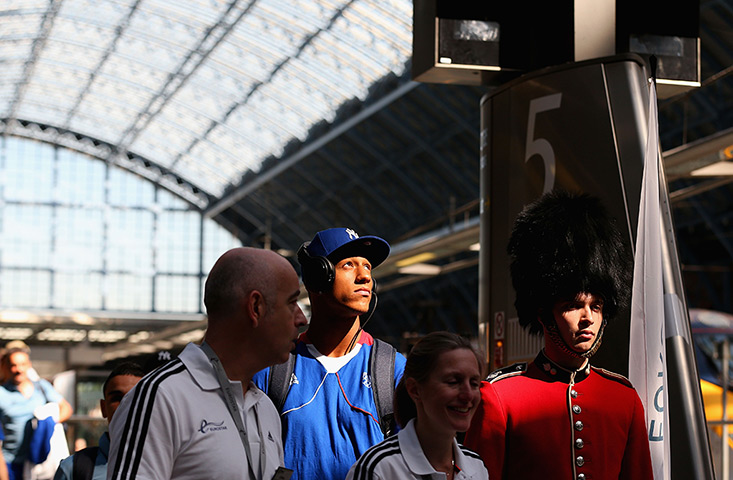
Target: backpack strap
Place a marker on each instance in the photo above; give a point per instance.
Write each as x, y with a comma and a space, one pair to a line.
83, 463
39, 386
279, 382
381, 366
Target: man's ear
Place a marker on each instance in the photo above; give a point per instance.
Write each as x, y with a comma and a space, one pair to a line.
255, 307
103, 408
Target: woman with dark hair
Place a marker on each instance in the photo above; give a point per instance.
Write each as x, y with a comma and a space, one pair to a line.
435, 399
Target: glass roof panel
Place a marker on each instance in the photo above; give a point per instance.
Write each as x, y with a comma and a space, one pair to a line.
52, 87
8, 88
301, 104
42, 112
24, 4
12, 58
258, 138
235, 64
25, 19
104, 15
259, 53
53, 221
188, 125
210, 82
194, 166
227, 140
158, 24
299, 20
213, 89
49, 69
79, 35
105, 131
137, 59
177, 140
14, 50
126, 82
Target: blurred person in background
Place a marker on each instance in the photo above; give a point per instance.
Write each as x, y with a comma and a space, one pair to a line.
91, 463
20, 396
22, 346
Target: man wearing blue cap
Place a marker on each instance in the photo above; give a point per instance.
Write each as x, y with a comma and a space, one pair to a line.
335, 392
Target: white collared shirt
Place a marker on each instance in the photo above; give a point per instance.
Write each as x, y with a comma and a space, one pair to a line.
401, 456
174, 424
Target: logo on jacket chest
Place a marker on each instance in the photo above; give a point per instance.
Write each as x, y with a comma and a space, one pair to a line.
366, 380
207, 426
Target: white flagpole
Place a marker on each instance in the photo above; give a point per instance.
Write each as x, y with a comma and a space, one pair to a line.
647, 355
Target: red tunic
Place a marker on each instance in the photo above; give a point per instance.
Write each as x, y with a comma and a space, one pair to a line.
543, 421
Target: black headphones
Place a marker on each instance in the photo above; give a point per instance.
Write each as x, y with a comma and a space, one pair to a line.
318, 272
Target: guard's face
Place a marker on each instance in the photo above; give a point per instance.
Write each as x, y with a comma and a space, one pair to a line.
579, 320
117, 387
352, 285
447, 400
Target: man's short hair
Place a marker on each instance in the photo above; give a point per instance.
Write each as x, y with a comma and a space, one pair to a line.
11, 351
232, 278
18, 345
225, 285
124, 368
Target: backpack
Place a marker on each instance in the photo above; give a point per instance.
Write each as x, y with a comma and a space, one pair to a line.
381, 369
83, 463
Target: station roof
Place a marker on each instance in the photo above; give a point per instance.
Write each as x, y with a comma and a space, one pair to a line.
205, 91
280, 118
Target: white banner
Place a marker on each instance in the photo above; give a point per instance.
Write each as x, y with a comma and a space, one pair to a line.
647, 362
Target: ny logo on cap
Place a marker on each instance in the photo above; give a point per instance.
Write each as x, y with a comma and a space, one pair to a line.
352, 234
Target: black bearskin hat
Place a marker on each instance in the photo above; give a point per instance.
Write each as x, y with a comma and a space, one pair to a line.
561, 245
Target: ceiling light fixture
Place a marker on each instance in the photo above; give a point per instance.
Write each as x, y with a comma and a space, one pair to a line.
420, 269
717, 169
419, 258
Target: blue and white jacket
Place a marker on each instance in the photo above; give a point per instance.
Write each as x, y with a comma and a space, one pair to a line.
329, 419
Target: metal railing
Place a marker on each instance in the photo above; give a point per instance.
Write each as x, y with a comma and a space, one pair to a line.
724, 422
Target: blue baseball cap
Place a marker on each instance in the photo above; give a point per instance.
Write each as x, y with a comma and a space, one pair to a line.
338, 243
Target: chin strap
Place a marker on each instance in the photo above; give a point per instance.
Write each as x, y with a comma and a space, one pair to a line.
552, 332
